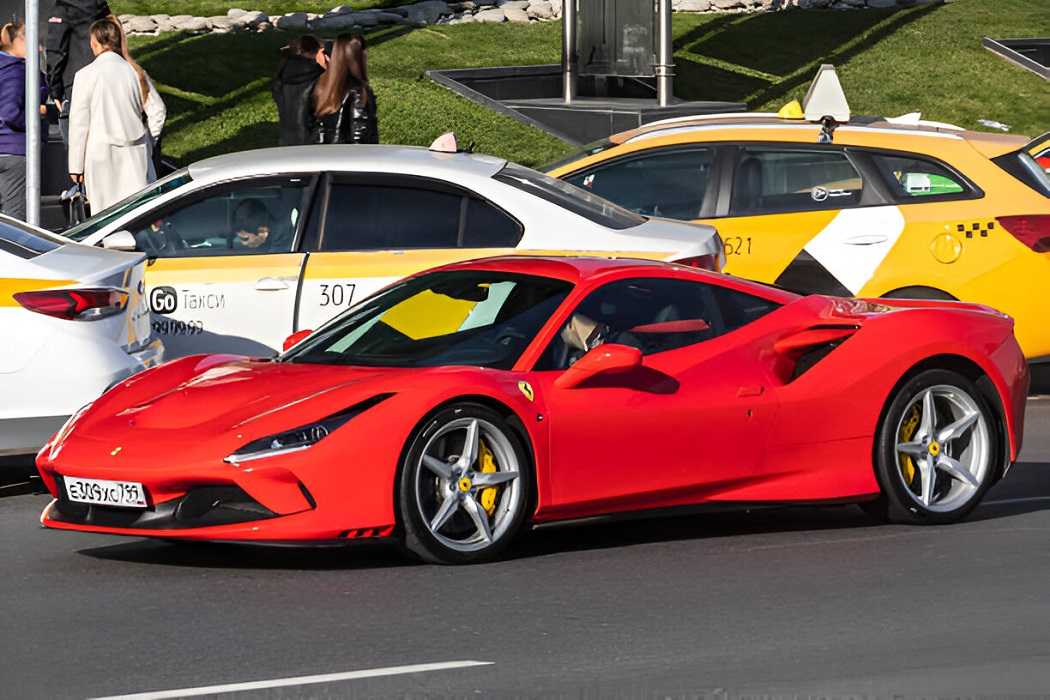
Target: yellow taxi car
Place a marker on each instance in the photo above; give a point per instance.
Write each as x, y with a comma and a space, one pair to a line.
817, 200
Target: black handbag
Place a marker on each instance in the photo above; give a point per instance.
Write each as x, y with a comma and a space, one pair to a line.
75, 202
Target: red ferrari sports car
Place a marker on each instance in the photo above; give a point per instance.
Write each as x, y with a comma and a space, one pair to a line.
460, 405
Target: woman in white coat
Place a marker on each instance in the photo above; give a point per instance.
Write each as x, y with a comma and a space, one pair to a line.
155, 111
108, 142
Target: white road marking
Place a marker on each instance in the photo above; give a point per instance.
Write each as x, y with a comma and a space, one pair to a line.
300, 680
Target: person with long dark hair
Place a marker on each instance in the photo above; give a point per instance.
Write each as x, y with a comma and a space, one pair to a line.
344, 106
292, 89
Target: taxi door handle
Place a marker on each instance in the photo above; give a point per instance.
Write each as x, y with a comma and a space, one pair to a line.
752, 390
271, 284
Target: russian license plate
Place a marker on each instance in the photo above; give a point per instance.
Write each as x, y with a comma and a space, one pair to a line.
122, 494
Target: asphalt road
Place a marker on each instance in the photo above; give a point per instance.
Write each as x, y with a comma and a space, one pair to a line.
793, 601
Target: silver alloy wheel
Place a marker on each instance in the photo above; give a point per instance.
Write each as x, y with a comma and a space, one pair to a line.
450, 482
950, 450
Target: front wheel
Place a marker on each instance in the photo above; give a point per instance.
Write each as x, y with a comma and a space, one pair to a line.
937, 451
465, 486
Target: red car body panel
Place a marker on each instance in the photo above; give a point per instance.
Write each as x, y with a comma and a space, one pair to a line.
717, 421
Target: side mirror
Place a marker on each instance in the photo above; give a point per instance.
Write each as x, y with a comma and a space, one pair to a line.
610, 358
296, 338
120, 240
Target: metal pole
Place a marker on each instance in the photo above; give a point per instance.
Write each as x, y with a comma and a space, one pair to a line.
568, 51
665, 66
32, 112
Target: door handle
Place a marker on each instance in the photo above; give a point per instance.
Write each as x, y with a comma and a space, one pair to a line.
752, 390
271, 284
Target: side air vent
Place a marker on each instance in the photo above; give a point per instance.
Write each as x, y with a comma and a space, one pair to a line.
801, 351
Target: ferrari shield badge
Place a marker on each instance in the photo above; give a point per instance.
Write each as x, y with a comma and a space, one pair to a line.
526, 389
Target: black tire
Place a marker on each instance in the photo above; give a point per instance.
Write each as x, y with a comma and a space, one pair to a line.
896, 503
418, 537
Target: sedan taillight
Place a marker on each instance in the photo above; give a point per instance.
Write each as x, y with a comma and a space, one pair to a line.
74, 304
1033, 230
701, 262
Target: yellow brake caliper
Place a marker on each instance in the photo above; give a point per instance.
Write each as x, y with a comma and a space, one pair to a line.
908, 428
488, 465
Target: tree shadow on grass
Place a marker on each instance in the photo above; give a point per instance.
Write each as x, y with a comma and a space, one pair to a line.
823, 37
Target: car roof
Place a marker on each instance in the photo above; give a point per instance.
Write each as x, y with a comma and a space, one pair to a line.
411, 160
764, 120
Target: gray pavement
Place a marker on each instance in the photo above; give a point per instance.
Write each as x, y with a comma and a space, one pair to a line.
793, 601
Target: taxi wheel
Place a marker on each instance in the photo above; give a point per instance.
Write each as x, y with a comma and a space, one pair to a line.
937, 451
465, 486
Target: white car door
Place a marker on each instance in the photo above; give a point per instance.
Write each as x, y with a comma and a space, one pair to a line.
224, 274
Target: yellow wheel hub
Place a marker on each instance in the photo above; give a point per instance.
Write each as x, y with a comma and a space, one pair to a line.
487, 462
935, 448
464, 484
908, 429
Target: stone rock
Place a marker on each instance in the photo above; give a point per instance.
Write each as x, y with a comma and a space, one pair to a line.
426, 12
194, 24
460, 7
882, 4
814, 4
727, 4
180, 18
513, 4
254, 18
264, 27
291, 22
493, 16
124, 18
516, 15
234, 12
557, 6
691, 5
540, 9
339, 10
465, 18
164, 25
333, 23
221, 24
140, 25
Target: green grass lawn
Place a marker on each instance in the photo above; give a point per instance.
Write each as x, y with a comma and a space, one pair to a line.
926, 59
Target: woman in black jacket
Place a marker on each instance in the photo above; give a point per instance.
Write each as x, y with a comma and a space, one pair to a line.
292, 89
344, 104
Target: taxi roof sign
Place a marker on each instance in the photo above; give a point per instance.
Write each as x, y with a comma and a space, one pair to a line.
825, 97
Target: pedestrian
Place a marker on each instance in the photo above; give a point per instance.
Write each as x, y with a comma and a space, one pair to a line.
155, 114
13, 117
344, 104
108, 149
69, 50
292, 87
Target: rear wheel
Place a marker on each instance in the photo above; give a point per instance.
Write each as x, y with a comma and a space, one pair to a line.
919, 293
937, 451
465, 486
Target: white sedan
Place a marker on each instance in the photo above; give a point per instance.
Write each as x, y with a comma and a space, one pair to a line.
74, 323
247, 248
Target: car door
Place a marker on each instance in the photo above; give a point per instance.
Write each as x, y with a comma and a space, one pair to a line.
805, 217
686, 426
373, 229
223, 272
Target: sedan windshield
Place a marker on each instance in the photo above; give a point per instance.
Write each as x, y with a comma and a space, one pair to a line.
570, 197
469, 317
103, 218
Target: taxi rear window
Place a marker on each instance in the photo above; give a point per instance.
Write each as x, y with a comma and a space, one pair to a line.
18, 239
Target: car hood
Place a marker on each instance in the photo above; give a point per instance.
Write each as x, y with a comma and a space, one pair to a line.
212, 402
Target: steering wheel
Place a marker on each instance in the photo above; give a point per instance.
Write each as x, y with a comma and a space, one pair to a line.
508, 334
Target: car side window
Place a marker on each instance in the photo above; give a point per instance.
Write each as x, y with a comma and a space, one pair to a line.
771, 180
241, 218
382, 216
653, 315
364, 216
670, 184
916, 178
487, 226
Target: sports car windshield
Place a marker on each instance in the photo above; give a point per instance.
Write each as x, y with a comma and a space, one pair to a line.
475, 318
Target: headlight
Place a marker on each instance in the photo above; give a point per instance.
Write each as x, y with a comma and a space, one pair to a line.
301, 438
